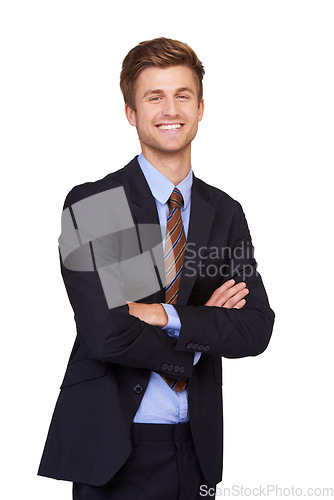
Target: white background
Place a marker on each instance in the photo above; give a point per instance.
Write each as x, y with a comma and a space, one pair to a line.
266, 139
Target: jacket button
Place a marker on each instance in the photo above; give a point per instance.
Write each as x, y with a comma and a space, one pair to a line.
138, 389
195, 347
164, 366
181, 370
170, 368
200, 347
206, 348
176, 368
189, 346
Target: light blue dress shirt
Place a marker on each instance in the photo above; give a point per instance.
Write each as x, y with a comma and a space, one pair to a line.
160, 403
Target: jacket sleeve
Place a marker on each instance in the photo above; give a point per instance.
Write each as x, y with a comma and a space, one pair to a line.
232, 333
112, 334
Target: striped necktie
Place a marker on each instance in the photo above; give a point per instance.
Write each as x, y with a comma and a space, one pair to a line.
175, 244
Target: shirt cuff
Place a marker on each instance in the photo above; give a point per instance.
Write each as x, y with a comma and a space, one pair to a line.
196, 357
173, 326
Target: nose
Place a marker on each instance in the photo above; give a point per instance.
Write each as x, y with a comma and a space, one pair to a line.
170, 107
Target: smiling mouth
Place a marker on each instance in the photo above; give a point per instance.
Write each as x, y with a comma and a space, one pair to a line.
170, 126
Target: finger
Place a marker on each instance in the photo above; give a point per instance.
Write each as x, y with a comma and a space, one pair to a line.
215, 297
224, 293
240, 304
229, 304
225, 286
221, 300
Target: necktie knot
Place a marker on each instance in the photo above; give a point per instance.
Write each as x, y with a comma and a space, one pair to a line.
175, 200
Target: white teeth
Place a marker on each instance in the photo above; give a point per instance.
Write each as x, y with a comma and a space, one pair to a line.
170, 127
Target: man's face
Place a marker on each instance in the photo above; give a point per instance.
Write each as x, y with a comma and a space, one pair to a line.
167, 111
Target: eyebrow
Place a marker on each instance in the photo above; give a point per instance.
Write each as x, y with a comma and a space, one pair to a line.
185, 89
161, 91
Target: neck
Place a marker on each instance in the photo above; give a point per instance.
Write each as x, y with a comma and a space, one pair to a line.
174, 166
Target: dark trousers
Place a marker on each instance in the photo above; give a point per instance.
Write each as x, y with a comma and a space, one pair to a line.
162, 466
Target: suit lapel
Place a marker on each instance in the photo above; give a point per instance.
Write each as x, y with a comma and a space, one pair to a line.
143, 208
202, 214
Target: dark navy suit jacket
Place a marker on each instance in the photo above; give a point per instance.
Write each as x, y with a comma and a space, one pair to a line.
114, 352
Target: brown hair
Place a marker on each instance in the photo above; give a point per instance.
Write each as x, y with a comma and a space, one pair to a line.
159, 52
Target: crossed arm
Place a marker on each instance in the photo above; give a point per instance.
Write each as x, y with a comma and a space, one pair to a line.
131, 335
229, 295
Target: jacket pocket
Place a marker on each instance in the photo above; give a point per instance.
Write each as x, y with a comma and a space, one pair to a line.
81, 371
218, 373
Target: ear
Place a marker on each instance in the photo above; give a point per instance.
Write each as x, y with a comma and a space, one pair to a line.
131, 115
201, 110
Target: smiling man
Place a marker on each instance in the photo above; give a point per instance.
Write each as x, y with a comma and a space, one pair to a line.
140, 409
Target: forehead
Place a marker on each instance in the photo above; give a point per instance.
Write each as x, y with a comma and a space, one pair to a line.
166, 79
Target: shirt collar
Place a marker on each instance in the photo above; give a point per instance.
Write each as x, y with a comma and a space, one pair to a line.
160, 186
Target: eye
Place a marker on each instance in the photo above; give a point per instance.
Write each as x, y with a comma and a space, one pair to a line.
182, 97
155, 98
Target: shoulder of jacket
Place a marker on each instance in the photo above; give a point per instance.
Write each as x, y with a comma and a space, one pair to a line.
216, 195
86, 189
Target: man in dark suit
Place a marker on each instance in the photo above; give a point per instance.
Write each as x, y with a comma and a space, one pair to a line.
139, 414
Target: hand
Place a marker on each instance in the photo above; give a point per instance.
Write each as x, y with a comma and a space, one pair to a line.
153, 314
229, 295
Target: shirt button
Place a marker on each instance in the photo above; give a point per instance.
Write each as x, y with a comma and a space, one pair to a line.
138, 389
